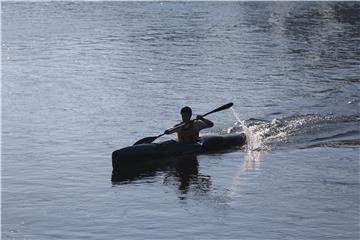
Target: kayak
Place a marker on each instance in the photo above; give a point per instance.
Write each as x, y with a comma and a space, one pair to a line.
147, 153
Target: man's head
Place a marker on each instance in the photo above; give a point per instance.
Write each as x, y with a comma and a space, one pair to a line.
186, 114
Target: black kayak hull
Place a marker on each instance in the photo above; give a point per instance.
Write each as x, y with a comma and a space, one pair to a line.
146, 153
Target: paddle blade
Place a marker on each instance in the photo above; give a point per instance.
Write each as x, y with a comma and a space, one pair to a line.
146, 140
226, 106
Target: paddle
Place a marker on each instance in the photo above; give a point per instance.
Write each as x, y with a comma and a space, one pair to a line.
151, 139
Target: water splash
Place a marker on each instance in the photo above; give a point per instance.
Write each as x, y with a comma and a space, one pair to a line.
254, 138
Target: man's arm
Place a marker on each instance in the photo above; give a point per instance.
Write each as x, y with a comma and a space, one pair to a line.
175, 129
201, 123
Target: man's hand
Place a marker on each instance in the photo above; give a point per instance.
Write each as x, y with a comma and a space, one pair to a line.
199, 117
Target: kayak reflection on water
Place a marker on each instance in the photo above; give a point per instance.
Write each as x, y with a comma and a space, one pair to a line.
182, 171
186, 172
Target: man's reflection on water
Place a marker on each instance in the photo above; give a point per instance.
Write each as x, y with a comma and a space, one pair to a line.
186, 175
181, 171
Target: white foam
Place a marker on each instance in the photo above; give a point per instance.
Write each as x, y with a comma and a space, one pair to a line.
254, 138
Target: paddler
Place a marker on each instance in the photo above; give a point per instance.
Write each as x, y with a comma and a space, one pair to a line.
189, 132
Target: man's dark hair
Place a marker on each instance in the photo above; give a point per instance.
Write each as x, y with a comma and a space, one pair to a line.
186, 110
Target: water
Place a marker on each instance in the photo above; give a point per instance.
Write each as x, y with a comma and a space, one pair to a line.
82, 79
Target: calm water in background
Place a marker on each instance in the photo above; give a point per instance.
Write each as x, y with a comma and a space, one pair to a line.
80, 80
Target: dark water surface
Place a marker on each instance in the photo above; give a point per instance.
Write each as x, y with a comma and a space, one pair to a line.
82, 79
